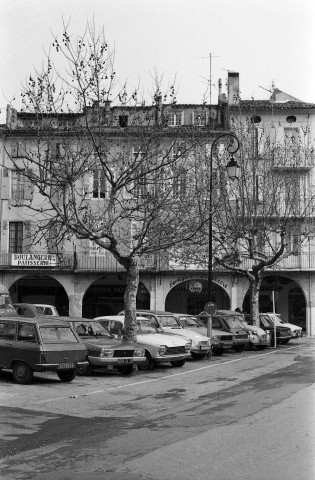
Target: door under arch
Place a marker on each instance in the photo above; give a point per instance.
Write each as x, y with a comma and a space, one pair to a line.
192, 295
289, 299
40, 289
103, 298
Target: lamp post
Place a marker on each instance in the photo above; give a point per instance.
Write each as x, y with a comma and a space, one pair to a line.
232, 167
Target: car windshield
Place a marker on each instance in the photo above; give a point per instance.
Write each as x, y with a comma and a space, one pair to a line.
91, 329
57, 334
147, 325
265, 321
233, 322
168, 321
273, 319
280, 318
190, 322
5, 302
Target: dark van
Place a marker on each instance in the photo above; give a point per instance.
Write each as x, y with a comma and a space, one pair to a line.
29, 345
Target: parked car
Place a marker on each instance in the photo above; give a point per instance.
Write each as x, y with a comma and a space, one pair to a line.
228, 321
220, 341
46, 309
258, 337
169, 323
296, 331
38, 345
27, 310
160, 347
104, 350
283, 334
6, 305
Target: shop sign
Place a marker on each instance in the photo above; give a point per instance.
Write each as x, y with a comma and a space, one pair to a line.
195, 287
33, 260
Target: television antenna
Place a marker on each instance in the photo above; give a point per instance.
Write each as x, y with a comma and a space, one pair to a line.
210, 56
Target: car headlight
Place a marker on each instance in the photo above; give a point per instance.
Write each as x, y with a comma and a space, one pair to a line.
188, 345
254, 332
215, 339
162, 350
139, 352
105, 352
204, 344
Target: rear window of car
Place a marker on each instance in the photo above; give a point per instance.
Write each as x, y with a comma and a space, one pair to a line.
168, 321
60, 334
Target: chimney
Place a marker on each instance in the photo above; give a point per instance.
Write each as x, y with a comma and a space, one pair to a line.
233, 88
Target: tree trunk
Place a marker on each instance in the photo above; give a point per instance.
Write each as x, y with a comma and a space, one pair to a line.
254, 300
130, 302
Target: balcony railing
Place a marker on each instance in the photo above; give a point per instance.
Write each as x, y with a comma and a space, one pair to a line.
84, 262
298, 158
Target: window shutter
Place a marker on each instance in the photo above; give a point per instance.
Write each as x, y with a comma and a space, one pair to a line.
28, 187
5, 186
27, 237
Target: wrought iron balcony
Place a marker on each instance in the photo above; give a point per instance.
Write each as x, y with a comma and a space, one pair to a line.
295, 158
84, 262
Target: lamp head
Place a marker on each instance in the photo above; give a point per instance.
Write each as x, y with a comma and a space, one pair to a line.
232, 168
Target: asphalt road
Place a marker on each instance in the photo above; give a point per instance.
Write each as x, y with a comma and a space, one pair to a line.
247, 416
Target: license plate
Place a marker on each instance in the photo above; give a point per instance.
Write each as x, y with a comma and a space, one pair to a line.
64, 366
124, 360
204, 348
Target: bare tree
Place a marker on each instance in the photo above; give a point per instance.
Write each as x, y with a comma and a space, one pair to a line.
261, 216
77, 147
266, 213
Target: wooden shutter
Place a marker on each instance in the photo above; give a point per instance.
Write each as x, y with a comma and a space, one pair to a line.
5, 184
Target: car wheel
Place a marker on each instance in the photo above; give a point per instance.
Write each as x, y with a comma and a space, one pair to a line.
22, 373
85, 370
67, 375
218, 351
178, 363
148, 364
126, 370
239, 348
198, 356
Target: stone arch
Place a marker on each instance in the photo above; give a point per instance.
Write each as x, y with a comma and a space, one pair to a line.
41, 288
105, 296
290, 298
190, 296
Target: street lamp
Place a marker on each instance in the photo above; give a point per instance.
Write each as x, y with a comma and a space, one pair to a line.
232, 167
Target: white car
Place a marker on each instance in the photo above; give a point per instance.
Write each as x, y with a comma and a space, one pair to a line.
258, 337
160, 347
296, 332
170, 323
42, 308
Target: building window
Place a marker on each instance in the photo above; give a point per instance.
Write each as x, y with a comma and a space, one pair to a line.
18, 183
291, 138
123, 121
200, 118
15, 237
179, 182
18, 149
99, 184
174, 119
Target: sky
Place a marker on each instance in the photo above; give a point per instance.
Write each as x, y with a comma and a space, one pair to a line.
269, 42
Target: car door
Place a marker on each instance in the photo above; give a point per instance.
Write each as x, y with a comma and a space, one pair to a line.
7, 342
27, 347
